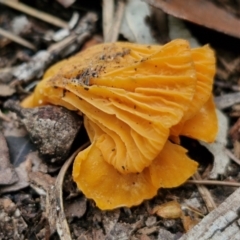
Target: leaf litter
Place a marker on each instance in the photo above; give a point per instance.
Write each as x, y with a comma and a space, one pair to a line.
89, 222
192, 11
8, 175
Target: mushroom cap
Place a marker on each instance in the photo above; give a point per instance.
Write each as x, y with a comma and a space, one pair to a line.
204, 125
132, 97
111, 189
204, 63
134, 93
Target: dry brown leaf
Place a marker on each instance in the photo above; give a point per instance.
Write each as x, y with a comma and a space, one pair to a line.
170, 210
201, 12
188, 223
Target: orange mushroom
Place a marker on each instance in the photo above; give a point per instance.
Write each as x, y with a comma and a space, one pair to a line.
204, 125
204, 63
110, 189
132, 96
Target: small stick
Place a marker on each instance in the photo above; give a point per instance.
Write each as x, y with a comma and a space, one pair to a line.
117, 22
108, 17
193, 210
232, 156
210, 204
57, 47
214, 182
35, 13
41, 60
17, 39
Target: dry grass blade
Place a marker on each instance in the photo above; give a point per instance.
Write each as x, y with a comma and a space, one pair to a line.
61, 221
17, 39
35, 13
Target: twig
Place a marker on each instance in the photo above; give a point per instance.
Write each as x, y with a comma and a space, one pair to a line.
210, 204
232, 156
85, 28
117, 22
108, 16
41, 60
193, 210
61, 221
214, 182
56, 47
17, 39
35, 13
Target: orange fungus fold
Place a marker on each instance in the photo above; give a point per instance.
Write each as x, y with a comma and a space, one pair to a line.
134, 98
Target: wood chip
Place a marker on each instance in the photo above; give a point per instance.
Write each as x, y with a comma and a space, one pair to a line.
222, 223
